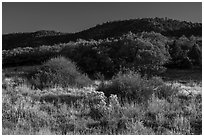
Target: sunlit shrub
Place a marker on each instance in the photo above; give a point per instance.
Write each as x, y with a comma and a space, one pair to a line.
58, 71
130, 86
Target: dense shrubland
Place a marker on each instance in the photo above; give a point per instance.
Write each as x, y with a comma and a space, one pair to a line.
148, 53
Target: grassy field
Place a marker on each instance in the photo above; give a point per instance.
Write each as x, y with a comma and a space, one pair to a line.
165, 109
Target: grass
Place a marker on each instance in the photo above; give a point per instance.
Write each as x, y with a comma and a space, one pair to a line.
86, 111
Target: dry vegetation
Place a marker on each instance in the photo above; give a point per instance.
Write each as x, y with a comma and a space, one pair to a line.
126, 104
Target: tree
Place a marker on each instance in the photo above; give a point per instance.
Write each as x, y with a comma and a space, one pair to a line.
195, 55
146, 55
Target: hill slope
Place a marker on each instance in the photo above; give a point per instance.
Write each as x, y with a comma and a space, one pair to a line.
167, 27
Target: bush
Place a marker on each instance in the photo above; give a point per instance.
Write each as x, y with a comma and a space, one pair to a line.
130, 86
195, 54
58, 71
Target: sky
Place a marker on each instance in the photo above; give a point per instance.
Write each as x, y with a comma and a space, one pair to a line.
74, 17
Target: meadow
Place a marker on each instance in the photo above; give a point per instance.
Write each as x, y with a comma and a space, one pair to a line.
126, 104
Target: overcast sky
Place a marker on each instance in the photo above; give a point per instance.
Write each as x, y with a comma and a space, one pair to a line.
74, 17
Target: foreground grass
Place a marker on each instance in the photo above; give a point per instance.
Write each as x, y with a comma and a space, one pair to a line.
58, 111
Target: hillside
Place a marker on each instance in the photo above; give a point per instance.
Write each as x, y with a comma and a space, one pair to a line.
167, 27
31, 39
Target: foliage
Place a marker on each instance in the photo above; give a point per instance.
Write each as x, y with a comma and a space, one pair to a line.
58, 71
146, 52
130, 86
140, 54
29, 55
195, 54
184, 54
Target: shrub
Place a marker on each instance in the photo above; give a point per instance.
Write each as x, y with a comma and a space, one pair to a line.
130, 86
195, 54
58, 71
165, 91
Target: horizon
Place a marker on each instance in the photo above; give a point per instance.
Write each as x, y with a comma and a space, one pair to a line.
69, 20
